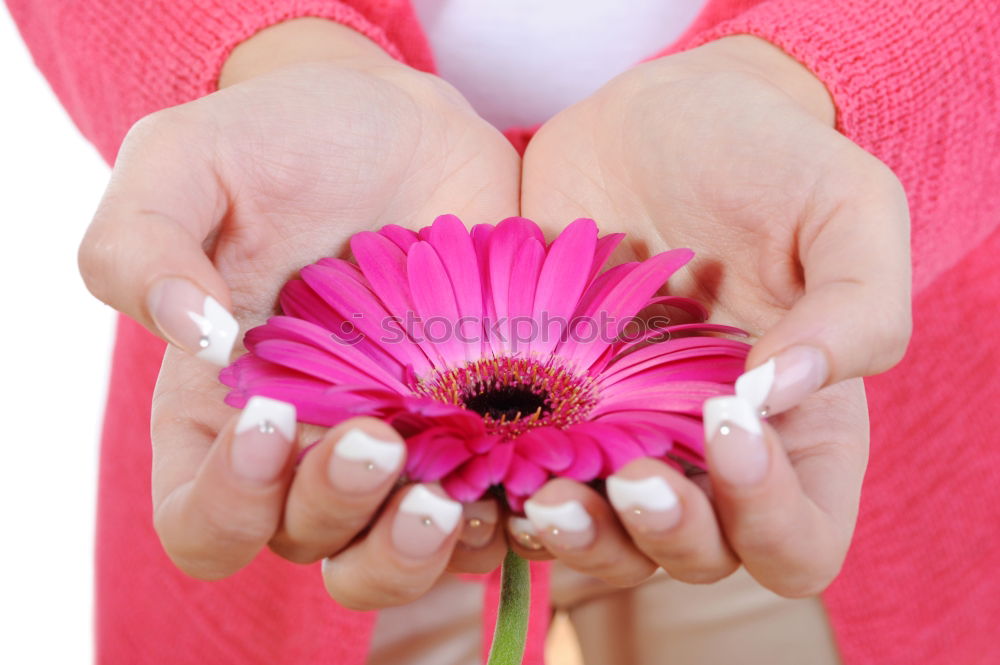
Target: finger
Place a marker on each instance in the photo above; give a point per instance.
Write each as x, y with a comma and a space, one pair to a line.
482, 544
402, 556
792, 535
576, 524
671, 521
523, 538
213, 514
339, 485
854, 318
144, 252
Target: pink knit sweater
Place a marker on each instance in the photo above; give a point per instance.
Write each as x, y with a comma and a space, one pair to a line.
915, 83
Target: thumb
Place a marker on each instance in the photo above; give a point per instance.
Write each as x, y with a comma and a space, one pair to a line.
144, 252
854, 318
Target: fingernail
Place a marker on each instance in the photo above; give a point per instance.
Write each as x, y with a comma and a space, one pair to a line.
564, 525
785, 380
263, 439
193, 320
423, 522
525, 533
648, 504
735, 441
480, 522
362, 463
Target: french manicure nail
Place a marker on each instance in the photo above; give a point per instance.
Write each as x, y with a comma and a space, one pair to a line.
263, 439
648, 504
193, 320
423, 522
480, 523
566, 525
785, 380
525, 533
735, 440
362, 463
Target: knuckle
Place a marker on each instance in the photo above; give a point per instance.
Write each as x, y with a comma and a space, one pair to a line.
682, 553
220, 538
95, 258
156, 126
629, 576
198, 568
300, 553
804, 585
701, 574
366, 589
766, 537
893, 332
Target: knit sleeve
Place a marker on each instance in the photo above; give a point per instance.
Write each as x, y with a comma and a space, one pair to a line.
915, 83
111, 62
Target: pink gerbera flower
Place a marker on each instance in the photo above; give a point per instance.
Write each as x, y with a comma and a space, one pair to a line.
502, 359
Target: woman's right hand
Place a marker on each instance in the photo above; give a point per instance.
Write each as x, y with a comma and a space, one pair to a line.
211, 207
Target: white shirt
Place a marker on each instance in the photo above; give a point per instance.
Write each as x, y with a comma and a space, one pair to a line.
521, 61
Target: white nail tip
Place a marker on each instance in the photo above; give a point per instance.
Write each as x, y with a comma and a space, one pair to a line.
651, 493
445, 513
569, 516
218, 331
359, 446
755, 385
734, 410
263, 413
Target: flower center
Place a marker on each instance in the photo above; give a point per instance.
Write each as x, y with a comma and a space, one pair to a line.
507, 402
514, 395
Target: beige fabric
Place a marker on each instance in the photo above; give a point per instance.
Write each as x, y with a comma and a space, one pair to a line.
444, 627
666, 622
660, 622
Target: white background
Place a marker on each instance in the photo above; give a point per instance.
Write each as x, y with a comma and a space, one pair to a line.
55, 342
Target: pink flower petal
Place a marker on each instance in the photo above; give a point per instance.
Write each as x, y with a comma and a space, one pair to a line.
562, 280
587, 460
466, 484
505, 242
440, 454
384, 369
674, 350
450, 239
547, 447
626, 298
435, 303
385, 266
499, 460
352, 299
524, 476
618, 447
313, 362
606, 245
678, 397
652, 427
523, 327
402, 237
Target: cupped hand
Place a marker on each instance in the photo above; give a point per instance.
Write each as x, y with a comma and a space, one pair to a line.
801, 238
212, 206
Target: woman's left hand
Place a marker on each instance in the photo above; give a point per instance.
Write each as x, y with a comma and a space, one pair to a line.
802, 238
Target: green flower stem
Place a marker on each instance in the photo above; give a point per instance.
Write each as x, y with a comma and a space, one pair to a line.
512, 614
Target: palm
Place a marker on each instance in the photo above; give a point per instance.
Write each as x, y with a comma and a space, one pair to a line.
674, 167
307, 157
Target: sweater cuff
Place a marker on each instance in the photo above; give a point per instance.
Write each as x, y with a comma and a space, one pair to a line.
123, 60
881, 61
913, 83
